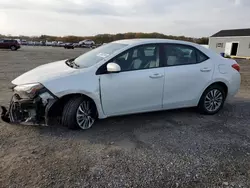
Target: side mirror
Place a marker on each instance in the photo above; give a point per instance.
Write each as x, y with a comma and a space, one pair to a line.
113, 68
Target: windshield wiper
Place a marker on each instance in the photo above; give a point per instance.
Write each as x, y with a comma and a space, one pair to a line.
71, 63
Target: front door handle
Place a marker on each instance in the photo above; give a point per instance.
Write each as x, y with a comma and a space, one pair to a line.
206, 69
156, 75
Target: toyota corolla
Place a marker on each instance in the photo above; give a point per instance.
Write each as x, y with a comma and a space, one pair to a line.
124, 77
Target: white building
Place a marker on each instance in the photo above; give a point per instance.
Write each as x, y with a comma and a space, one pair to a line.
234, 42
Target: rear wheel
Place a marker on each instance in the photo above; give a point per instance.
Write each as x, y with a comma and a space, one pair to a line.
13, 48
212, 100
79, 112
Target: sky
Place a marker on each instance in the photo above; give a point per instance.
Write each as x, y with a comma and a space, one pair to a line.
194, 18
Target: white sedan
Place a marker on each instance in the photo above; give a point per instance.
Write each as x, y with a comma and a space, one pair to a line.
124, 77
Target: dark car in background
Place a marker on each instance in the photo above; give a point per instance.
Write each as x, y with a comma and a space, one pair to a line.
69, 46
9, 44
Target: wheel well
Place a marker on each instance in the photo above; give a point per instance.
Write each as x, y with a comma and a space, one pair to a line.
221, 84
55, 111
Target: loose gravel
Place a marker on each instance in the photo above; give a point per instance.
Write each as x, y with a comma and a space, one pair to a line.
178, 148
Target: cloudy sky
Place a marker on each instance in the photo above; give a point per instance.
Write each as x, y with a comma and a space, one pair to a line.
89, 17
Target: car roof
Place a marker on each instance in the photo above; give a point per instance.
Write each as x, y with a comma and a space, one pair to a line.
151, 40
8, 39
140, 41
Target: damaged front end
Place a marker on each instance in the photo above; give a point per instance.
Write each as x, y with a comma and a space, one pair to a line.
30, 103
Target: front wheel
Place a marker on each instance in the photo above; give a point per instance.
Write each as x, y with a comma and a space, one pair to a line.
212, 100
13, 48
79, 112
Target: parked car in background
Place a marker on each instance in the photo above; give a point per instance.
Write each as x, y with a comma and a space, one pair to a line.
86, 43
24, 42
18, 40
48, 43
69, 46
76, 45
54, 43
9, 44
60, 44
124, 77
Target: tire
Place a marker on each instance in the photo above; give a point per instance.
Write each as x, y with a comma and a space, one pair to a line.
211, 105
13, 48
77, 107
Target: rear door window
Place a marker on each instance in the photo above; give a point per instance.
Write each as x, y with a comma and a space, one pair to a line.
179, 54
7, 41
176, 54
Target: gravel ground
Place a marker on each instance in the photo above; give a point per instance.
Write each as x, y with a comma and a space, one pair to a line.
179, 148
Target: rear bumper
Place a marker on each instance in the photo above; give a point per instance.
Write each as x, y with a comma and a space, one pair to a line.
234, 86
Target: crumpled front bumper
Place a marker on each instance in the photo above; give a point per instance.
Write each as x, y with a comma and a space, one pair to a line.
34, 111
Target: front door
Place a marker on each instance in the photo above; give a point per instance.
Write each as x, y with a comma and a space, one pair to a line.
187, 73
139, 85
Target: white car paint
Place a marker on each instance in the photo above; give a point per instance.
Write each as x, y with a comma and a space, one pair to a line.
43, 72
137, 91
132, 91
205, 45
184, 83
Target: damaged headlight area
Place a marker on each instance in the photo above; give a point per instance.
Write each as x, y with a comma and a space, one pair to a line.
28, 104
28, 90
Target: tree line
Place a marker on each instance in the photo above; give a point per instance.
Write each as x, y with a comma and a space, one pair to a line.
105, 38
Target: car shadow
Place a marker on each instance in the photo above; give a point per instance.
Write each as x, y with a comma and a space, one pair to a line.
114, 126
121, 127
126, 123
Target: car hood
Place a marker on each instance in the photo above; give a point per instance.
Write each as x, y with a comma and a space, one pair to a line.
44, 72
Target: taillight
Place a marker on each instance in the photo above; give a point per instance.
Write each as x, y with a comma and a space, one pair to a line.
236, 67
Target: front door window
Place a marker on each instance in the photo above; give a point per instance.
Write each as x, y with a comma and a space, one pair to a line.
142, 57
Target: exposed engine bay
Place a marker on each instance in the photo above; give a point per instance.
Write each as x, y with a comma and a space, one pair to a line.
29, 104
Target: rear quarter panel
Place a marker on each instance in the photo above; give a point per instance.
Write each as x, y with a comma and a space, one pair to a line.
228, 75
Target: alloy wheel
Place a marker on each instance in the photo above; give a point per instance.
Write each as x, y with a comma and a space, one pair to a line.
84, 115
213, 100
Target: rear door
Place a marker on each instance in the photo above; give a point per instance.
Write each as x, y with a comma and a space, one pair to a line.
6, 43
187, 73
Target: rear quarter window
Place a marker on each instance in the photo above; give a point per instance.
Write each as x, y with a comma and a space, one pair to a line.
201, 56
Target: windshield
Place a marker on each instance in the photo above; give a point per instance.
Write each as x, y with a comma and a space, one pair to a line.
94, 56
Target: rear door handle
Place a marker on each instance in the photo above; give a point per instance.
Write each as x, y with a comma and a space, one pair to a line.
206, 69
156, 75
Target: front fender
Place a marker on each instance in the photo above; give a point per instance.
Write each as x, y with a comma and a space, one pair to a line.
83, 82
95, 96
